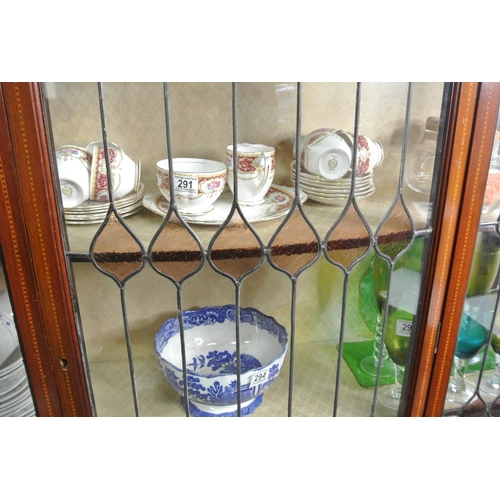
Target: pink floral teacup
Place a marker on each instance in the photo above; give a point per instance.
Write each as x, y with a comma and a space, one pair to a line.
73, 166
125, 173
256, 167
370, 154
197, 183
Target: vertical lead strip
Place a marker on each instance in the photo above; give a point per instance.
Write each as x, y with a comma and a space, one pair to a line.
112, 208
351, 201
183, 349
399, 195
178, 286
293, 278
237, 283
238, 346
129, 351
292, 345
341, 343
298, 133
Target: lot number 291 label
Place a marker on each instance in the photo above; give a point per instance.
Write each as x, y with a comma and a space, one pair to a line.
185, 184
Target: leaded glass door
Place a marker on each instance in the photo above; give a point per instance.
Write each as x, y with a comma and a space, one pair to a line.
339, 263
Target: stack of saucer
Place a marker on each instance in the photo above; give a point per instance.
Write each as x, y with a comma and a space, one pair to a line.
15, 394
94, 212
331, 192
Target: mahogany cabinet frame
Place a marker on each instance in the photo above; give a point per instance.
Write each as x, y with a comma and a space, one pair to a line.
449, 295
38, 272
34, 257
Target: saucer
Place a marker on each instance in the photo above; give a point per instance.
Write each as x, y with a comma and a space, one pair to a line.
346, 179
277, 203
338, 193
94, 212
332, 185
340, 198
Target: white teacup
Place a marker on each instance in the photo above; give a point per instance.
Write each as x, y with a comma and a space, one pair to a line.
125, 173
256, 167
310, 138
197, 183
73, 166
370, 154
327, 155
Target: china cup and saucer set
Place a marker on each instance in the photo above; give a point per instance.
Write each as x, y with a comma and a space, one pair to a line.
325, 163
204, 189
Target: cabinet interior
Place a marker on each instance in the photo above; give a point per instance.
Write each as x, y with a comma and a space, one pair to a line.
201, 127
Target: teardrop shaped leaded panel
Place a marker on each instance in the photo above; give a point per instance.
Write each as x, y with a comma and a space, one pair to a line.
395, 233
174, 251
236, 250
295, 245
114, 250
349, 240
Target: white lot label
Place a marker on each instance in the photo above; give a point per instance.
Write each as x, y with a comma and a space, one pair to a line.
185, 184
259, 377
403, 328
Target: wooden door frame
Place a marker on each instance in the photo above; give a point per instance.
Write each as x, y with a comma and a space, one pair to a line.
460, 251
35, 259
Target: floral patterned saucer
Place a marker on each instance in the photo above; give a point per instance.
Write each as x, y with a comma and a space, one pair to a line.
277, 203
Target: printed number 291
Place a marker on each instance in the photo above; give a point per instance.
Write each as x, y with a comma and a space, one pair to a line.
184, 184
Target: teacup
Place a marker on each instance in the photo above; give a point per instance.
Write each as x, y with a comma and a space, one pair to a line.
310, 138
73, 166
370, 154
256, 167
327, 155
197, 183
125, 173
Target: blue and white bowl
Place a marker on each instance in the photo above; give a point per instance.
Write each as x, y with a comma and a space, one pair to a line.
210, 342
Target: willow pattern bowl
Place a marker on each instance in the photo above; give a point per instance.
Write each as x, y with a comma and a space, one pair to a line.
210, 342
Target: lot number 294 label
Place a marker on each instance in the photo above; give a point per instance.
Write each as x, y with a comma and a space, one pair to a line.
259, 377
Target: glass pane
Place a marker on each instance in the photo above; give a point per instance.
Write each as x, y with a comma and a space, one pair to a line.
295, 248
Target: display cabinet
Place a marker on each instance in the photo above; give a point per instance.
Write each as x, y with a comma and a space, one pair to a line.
92, 284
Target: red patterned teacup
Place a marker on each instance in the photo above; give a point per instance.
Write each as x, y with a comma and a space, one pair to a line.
125, 173
197, 183
370, 154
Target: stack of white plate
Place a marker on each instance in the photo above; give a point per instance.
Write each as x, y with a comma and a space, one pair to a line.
94, 212
331, 192
15, 394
